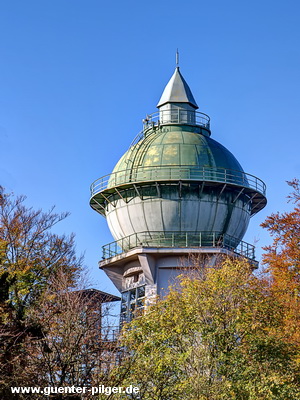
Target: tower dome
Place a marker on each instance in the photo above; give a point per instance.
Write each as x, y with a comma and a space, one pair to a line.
176, 180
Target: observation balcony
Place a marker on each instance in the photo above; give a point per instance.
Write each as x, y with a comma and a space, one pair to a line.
177, 173
174, 117
160, 239
113, 183
177, 116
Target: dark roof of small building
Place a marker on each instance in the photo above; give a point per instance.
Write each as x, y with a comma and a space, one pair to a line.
99, 295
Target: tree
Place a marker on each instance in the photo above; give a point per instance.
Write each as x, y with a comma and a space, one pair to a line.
31, 255
218, 337
50, 329
73, 350
282, 260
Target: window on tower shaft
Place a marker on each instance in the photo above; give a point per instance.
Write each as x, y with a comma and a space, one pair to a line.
132, 303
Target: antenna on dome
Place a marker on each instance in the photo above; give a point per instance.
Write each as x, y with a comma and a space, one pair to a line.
177, 58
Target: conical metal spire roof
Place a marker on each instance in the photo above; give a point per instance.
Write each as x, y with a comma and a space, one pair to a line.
177, 91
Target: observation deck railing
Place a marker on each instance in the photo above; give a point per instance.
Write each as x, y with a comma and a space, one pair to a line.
177, 173
172, 117
161, 239
178, 116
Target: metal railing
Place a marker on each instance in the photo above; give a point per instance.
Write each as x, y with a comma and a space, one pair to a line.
177, 173
178, 240
177, 116
167, 117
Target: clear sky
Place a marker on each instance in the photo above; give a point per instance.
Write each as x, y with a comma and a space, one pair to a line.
77, 77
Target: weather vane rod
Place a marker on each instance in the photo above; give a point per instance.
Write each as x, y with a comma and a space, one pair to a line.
177, 58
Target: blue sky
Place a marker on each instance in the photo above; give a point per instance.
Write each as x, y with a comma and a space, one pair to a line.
77, 77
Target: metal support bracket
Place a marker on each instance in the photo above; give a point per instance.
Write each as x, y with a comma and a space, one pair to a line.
256, 205
107, 200
180, 189
238, 195
100, 205
158, 189
137, 191
201, 189
222, 190
120, 195
249, 201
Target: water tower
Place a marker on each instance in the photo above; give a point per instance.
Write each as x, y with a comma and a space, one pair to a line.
175, 192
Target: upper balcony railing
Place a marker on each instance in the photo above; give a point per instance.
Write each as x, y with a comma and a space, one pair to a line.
174, 116
178, 173
177, 116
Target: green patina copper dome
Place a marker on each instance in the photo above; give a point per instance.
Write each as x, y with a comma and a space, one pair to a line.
177, 146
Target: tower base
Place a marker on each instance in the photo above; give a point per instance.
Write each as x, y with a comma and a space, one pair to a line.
144, 273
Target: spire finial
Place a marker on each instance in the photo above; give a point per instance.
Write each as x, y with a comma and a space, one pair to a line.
177, 58
177, 90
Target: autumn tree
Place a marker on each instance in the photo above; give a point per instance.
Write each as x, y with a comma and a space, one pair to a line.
73, 349
50, 330
282, 261
217, 337
31, 255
